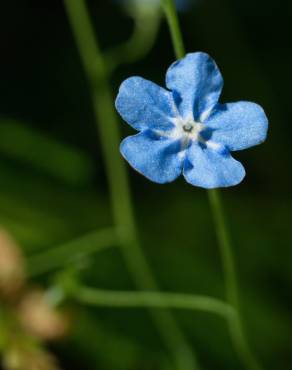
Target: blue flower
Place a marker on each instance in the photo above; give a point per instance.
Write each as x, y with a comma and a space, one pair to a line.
184, 130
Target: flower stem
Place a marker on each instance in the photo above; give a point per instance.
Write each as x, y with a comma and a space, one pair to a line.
174, 28
232, 295
107, 125
236, 327
225, 247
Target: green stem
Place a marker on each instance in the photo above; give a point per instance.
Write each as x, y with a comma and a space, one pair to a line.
120, 299
58, 256
225, 247
235, 325
160, 300
174, 27
107, 125
146, 27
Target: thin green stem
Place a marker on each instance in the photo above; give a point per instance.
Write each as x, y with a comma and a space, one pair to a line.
61, 255
235, 325
121, 299
225, 247
107, 125
232, 295
174, 28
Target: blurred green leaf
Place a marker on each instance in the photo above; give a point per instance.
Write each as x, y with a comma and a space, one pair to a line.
20, 142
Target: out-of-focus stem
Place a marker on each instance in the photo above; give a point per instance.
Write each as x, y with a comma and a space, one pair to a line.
160, 300
146, 27
107, 125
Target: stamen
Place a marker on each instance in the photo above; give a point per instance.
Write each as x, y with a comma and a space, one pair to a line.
188, 127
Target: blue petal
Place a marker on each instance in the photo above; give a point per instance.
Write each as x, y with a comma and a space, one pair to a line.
154, 157
209, 168
196, 83
145, 105
237, 125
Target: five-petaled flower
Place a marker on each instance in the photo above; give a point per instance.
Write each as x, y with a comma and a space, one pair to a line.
183, 129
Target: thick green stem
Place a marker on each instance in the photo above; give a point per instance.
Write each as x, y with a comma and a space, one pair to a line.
107, 125
236, 327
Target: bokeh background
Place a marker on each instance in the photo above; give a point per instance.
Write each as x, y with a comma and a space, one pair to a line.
53, 184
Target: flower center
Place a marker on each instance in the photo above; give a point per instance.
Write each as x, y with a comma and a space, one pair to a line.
188, 127
192, 129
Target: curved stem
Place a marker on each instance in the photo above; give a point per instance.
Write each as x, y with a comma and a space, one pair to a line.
174, 28
160, 300
121, 299
139, 44
107, 125
235, 325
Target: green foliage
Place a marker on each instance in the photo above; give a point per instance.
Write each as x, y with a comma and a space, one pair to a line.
53, 191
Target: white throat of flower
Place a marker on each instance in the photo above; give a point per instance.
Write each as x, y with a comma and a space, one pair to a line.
186, 130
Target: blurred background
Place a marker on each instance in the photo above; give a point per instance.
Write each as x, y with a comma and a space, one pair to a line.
53, 185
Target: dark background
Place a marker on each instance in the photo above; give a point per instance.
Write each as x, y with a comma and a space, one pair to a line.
53, 184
